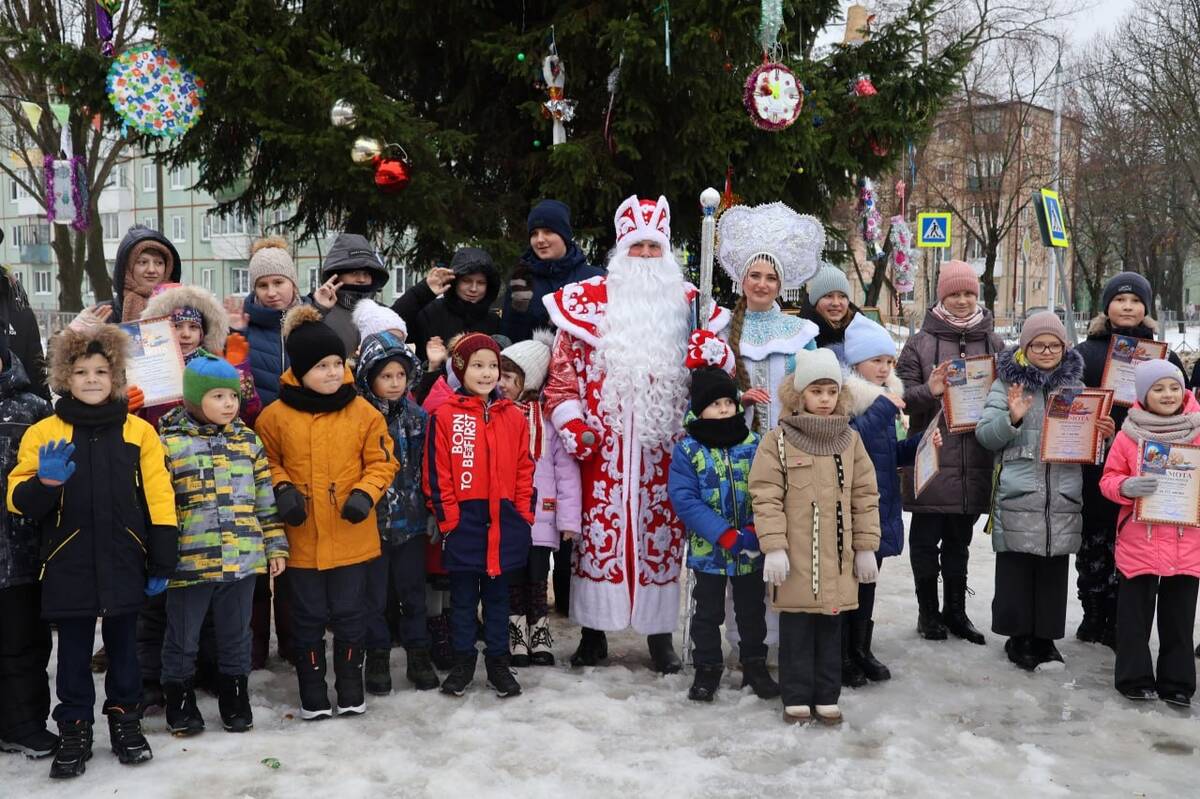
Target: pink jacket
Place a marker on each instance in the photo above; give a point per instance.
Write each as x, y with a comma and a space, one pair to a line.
559, 496
1160, 549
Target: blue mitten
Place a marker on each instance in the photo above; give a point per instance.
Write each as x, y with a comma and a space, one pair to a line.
747, 540
55, 466
155, 585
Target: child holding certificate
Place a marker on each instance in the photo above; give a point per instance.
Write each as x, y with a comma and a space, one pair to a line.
816, 512
1037, 507
1157, 563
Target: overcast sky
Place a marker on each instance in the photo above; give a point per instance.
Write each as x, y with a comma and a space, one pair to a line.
1102, 19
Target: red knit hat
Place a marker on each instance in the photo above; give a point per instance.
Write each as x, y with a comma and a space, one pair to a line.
467, 346
956, 276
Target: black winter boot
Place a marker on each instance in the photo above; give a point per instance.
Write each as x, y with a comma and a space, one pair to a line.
125, 735
500, 676
929, 620
593, 648
183, 717
759, 679
1045, 651
37, 744
860, 651
705, 683
314, 694
955, 615
348, 678
1020, 651
439, 636
1091, 629
74, 749
233, 702
419, 670
462, 674
852, 674
662, 654
379, 672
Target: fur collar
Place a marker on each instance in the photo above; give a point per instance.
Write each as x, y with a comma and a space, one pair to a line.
1068, 373
216, 320
862, 393
1099, 327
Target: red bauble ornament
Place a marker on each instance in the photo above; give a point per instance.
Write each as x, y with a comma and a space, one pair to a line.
392, 175
863, 87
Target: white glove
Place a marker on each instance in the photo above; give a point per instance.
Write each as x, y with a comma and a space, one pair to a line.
776, 567
1139, 486
866, 568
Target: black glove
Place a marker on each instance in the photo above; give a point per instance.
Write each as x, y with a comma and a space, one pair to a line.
357, 506
290, 504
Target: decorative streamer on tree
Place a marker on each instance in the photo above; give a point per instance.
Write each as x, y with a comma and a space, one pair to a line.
66, 192
770, 26
901, 256
665, 9
613, 83
870, 218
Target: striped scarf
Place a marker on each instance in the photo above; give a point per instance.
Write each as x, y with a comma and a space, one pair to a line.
967, 323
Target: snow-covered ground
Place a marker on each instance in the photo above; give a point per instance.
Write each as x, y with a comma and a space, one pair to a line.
956, 719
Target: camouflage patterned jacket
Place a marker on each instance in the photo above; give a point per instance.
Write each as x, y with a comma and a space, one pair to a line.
228, 525
19, 537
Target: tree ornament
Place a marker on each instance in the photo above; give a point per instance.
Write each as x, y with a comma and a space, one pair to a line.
870, 218
537, 144
393, 174
773, 96
818, 120
665, 9
771, 22
521, 57
901, 257
557, 107
104, 25
613, 83
858, 25
877, 147
342, 114
66, 192
728, 198
154, 92
863, 87
365, 150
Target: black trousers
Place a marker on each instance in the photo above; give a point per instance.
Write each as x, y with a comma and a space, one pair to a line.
332, 597
1176, 599
228, 606
938, 543
1031, 595
749, 608
866, 599
152, 631
122, 681
1095, 565
562, 577
396, 580
810, 658
24, 653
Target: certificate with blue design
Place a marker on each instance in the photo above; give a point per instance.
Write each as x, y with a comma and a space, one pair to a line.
1176, 498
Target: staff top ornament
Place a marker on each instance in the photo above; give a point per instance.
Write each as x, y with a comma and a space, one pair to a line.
154, 92
773, 96
791, 241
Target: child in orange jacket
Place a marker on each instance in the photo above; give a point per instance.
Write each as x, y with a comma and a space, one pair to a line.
479, 479
331, 460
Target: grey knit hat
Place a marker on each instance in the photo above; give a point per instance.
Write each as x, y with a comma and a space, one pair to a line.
269, 257
827, 280
1147, 373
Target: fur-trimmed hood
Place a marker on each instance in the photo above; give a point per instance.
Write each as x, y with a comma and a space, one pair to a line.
216, 320
1099, 327
790, 401
70, 345
862, 393
1069, 371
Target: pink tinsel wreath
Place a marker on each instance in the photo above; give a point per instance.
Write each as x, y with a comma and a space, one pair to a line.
774, 96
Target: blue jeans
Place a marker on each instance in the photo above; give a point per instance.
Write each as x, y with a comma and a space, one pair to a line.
467, 589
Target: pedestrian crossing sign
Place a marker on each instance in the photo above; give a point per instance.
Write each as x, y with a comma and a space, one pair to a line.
933, 230
1051, 218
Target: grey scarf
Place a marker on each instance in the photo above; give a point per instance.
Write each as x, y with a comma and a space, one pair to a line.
818, 435
1142, 425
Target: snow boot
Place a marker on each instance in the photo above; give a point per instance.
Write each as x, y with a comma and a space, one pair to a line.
462, 674
705, 683
860, 651
1020, 651
379, 672
419, 670
852, 673
99, 666
153, 698
955, 615
74, 749
439, 635
1045, 651
541, 643
518, 640
758, 678
125, 736
593, 648
797, 714
662, 654
233, 702
1091, 629
1138, 694
37, 744
314, 694
929, 620
828, 714
1177, 699
183, 717
348, 679
500, 676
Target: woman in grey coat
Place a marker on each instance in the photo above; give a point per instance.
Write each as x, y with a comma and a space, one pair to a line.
1037, 507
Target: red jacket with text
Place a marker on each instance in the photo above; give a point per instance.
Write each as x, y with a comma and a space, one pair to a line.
479, 480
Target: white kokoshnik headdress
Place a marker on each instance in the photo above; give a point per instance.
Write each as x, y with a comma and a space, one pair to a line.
792, 242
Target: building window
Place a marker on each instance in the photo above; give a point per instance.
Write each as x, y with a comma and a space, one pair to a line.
18, 239
111, 224
206, 227
314, 278
150, 222
179, 177
16, 190
206, 278
116, 178
149, 177
41, 281
230, 225
240, 280
178, 228
987, 122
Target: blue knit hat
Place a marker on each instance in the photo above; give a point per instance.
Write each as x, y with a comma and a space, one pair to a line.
552, 215
827, 280
866, 339
1147, 373
206, 372
1126, 283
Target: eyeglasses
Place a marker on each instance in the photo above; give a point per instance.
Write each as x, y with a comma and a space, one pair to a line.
1045, 349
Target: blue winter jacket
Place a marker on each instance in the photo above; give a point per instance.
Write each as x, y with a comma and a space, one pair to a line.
547, 278
874, 417
268, 360
709, 489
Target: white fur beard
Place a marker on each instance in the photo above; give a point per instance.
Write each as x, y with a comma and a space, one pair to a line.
643, 342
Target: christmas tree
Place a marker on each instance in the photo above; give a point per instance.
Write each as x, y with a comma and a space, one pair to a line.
658, 108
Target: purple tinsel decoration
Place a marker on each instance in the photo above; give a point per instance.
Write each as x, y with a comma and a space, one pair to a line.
50, 189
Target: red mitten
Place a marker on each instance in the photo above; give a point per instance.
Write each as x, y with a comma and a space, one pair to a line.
579, 439
137, 398
706, 349
728, 538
